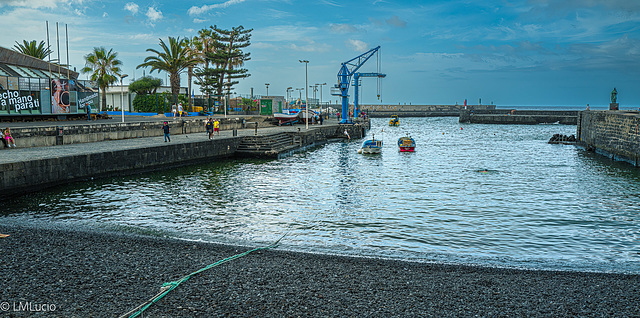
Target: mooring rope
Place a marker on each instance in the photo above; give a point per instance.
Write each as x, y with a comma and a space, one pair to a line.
168, 287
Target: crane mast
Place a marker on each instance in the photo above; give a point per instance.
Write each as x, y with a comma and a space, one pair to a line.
347, 70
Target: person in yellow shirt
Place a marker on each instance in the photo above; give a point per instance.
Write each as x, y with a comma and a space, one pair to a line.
216, 127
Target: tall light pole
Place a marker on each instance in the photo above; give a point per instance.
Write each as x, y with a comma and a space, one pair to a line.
267, 85
321, 95
122, 95
306, 94
289, 89
299, 92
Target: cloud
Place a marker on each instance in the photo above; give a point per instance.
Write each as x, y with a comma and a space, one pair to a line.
357, 45
153, 14
331, 3
34, 4
132, 7
311, 47
396, 21
342, 28
376, 22
196, 20
284, 33
139, 37
206, 8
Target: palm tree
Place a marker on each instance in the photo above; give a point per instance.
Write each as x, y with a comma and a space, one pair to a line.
193, 52
33, 49
105, 67
172, 59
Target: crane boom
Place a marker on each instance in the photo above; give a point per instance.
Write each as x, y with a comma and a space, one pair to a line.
347, 70
356, 78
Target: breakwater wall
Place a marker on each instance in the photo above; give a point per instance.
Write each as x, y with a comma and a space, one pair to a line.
419, 110
614, 134
96, 131
124, 158
518, 117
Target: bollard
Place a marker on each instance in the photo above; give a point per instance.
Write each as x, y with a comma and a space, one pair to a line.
235, 132
59, 135
256, 133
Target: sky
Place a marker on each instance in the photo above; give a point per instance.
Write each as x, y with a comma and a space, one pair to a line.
512, 52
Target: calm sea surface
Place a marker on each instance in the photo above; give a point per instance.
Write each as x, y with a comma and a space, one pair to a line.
539, 206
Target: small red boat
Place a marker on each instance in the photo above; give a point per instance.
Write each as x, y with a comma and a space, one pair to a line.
406, 144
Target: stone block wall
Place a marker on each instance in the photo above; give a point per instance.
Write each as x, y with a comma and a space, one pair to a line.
34, 175
82, 133
518, 117
615, 134
419, 110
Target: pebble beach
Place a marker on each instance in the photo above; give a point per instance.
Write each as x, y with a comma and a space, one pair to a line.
62, 272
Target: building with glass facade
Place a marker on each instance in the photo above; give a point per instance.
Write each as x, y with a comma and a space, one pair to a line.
32, 87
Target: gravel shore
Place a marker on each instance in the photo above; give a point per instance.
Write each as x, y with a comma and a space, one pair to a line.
102, 274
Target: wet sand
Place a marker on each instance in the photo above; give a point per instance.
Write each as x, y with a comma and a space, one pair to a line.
81, 273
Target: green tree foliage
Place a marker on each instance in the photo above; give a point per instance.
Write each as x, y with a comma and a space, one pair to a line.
104, 68
37, 50
145, 85
204, 43
173, 59
226, 59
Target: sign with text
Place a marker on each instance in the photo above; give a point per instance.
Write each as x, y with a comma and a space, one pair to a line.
12, 100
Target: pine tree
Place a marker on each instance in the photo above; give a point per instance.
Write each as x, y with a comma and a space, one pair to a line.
226, 58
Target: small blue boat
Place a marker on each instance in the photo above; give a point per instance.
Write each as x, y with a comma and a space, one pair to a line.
371, 146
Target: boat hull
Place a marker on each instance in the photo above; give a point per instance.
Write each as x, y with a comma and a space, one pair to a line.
371, 147
406, 144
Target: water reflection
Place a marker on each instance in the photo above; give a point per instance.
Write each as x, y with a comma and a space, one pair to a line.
537, 205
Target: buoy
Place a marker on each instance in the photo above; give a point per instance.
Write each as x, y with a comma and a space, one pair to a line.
460, 128
359, 150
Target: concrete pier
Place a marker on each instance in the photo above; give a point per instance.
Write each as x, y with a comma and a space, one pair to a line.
29, 169
420, 110
518, 117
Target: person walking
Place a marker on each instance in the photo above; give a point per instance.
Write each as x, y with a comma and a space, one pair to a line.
174, 109
166, 130
180, 110
216, 126
320, 119
88, 112
209, 126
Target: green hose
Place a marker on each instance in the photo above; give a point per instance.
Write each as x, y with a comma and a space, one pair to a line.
168, 287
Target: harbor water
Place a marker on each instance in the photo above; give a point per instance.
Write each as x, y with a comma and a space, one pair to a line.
488, 195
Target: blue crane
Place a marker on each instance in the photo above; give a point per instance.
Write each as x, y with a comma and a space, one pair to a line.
348, 69
356, 78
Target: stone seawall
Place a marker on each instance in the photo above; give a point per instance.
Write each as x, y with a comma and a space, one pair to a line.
615, 134
518, 117
51, 166
419, 110
33, 175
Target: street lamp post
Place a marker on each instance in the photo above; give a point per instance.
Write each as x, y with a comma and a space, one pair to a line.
267, 85
306, 93
321, 95
122, 95
289, 89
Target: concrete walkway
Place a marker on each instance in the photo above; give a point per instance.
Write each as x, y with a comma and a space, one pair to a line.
13, 155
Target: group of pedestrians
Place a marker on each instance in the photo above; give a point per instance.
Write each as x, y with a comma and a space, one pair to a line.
177, 109
212, 126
